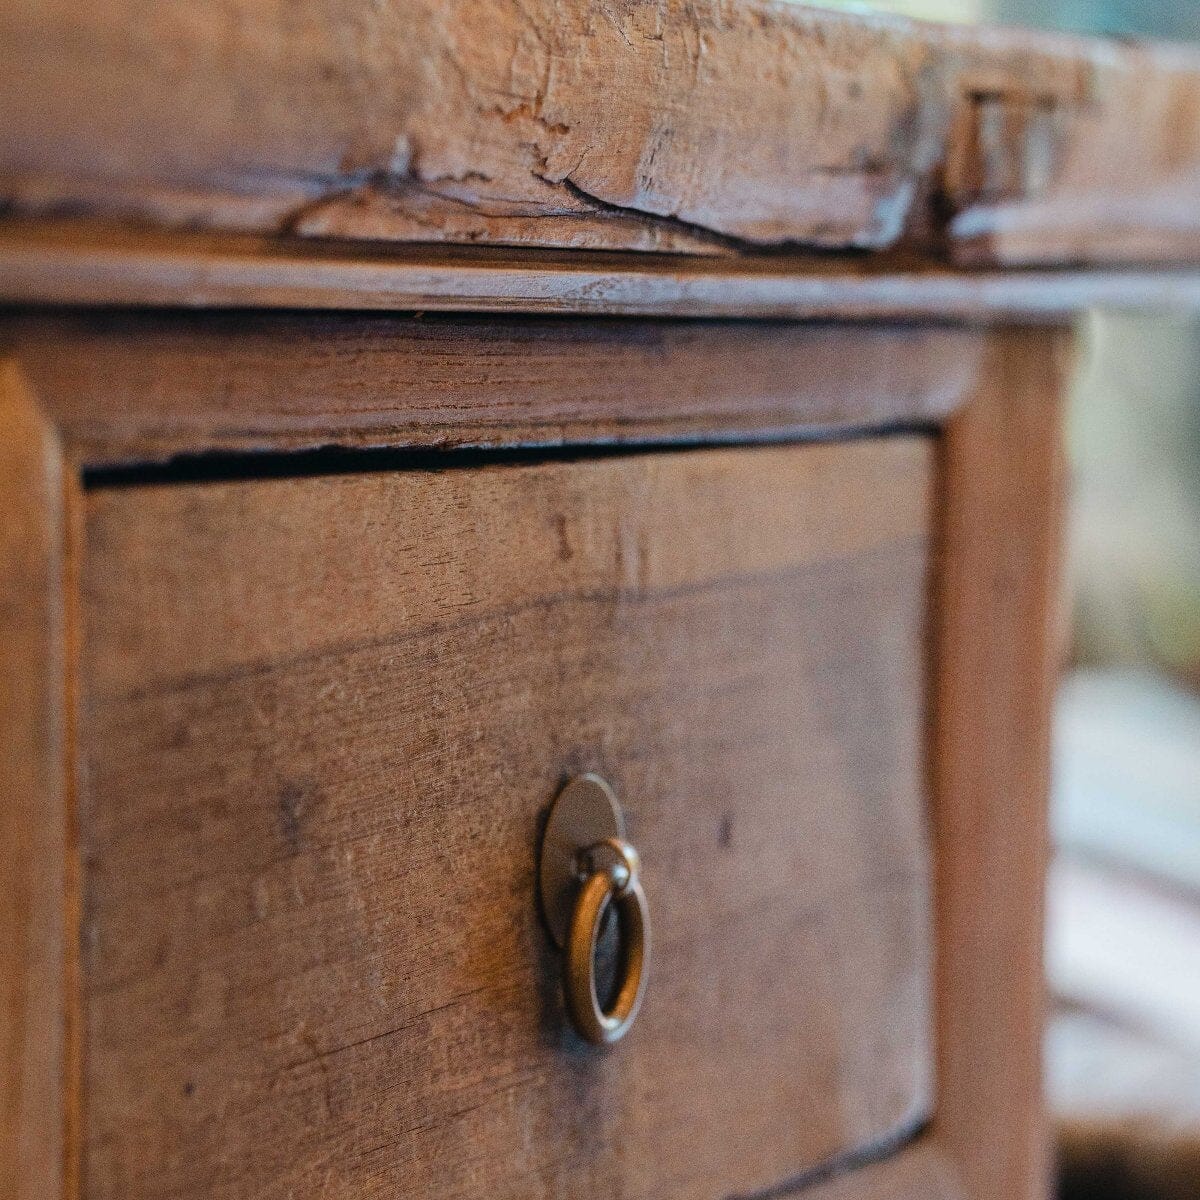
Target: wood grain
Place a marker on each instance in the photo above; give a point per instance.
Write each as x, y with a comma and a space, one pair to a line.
55, 262
322, 716
691, 125
128, 388
34, 966
1056, 187
997, 658
919, 1171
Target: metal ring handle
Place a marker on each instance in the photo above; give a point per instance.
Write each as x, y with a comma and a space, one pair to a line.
617, 883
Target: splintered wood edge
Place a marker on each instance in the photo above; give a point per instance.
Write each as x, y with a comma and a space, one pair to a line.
57, 263
673, 125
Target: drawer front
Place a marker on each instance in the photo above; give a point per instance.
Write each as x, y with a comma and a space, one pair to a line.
323, 718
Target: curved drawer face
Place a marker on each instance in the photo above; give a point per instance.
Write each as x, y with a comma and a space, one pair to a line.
322, 720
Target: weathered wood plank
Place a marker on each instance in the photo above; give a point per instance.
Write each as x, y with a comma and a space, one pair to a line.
697, 125
318, 743
1115, 179
135, 388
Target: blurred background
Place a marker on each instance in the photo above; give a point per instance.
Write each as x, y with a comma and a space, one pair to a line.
1123, 936
1124, 18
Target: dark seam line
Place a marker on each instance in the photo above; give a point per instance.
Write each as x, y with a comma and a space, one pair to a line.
227, 466
842, 1164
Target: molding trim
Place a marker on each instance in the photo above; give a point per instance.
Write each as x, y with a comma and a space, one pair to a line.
64, 264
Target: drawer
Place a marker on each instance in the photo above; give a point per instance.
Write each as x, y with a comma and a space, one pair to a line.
322, 720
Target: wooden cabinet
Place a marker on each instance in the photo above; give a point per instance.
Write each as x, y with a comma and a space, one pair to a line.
325, 563
293, 721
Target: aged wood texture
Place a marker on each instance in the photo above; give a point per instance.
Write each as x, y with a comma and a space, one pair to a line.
54, 262
919, 1171
322, 717
34, 969
997, 658
1031, 183
130, 388
696, 125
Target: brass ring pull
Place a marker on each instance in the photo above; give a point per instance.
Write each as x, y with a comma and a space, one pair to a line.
617, 883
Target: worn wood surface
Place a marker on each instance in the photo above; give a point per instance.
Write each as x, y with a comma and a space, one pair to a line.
918, 1171
125, 388
693, 125
35, 978
57, 262
997, 658
322, 717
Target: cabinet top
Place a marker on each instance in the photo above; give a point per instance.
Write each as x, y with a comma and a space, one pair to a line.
741, 130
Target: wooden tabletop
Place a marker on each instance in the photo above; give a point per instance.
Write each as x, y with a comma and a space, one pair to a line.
750, 131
